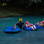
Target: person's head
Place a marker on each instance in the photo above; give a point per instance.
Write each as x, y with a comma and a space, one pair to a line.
27, 22
37, 22
43, 21
20, 19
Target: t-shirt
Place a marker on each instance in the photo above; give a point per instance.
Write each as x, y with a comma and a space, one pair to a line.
20, 24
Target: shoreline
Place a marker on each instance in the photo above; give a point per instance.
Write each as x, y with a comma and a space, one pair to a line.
20, 16
12, 12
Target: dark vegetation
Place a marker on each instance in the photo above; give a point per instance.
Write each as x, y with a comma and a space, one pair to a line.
10, 8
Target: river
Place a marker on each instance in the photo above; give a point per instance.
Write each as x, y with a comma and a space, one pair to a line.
23, 37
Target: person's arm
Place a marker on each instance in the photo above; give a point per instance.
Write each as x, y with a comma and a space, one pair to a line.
25, 25
40, 25
15, 27
31, 23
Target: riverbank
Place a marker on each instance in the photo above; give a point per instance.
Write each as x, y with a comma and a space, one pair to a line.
6, 13
13, 12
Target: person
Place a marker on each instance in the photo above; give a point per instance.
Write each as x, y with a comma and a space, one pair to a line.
37, 23
19, 24
30, 25
40, 24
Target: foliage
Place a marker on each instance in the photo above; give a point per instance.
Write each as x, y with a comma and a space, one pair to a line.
21, 6
18, 2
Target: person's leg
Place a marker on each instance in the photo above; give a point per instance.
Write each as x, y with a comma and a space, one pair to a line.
34, 27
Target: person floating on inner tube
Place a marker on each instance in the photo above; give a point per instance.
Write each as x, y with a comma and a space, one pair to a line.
40, 24
30, 25
19, 24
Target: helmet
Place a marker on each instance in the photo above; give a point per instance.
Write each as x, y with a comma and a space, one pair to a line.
43, 21
27, 22
20, 19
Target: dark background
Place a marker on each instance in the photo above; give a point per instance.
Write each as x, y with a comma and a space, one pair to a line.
23, 7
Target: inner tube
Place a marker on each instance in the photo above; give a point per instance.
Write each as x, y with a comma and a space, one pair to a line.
29, 29
12, 30
39, 27
26, 28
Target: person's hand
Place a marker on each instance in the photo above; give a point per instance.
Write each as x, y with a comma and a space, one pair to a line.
14, 27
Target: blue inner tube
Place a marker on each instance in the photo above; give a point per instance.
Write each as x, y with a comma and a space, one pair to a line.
39, 27
28, 28
12, 30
